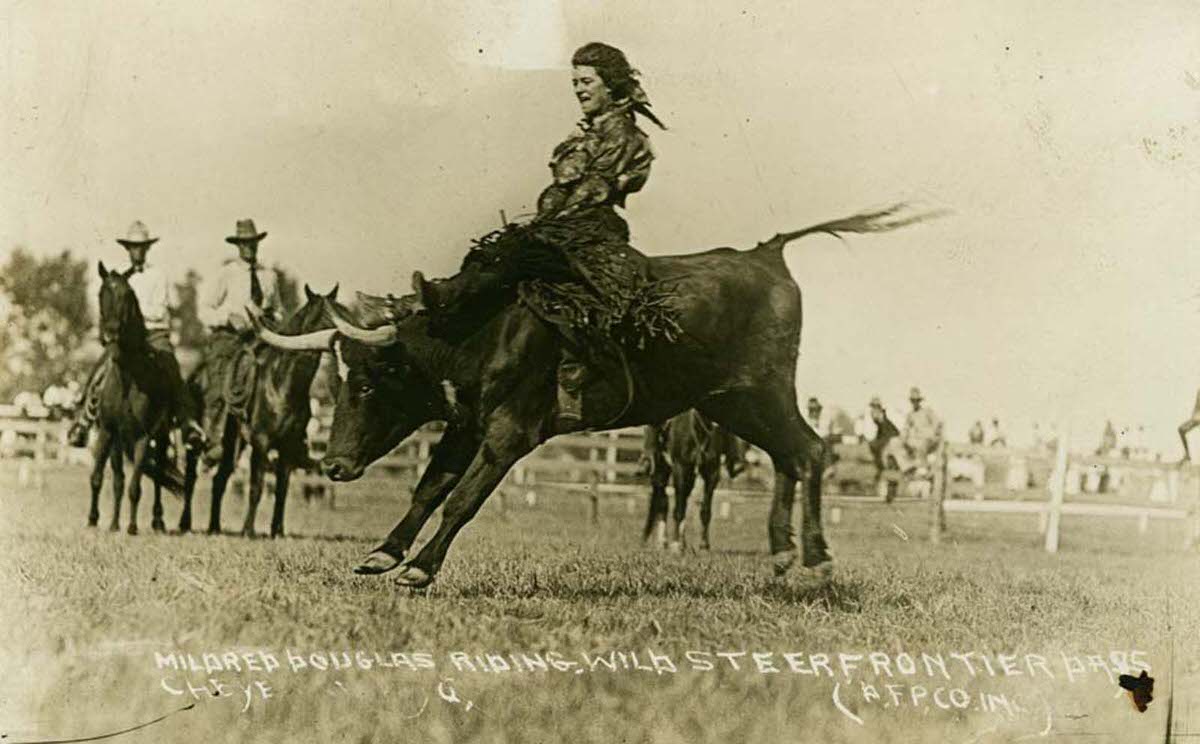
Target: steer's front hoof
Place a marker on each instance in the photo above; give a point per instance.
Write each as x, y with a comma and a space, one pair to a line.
414, 578
376, 563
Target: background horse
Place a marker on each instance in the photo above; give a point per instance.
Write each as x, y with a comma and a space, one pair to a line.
273, 417
134, 407
690, 443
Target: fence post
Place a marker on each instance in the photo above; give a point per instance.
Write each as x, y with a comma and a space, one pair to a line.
1058, 486
1193, 539
937, 520
39, 455
610, 457
594, 497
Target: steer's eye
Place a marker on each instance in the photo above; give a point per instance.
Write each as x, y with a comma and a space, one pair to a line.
365, 390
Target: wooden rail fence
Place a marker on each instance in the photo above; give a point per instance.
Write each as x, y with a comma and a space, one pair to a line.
605, 464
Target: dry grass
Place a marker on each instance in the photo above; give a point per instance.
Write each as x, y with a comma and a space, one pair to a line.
85, 611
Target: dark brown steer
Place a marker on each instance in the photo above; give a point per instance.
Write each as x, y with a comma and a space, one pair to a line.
740, 317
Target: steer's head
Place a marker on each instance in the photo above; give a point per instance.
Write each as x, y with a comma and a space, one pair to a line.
384, 394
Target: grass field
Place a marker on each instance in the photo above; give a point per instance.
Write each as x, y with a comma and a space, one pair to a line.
86, 611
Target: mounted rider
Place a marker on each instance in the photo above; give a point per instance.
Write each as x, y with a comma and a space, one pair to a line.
577, 239
242, 283
156, 299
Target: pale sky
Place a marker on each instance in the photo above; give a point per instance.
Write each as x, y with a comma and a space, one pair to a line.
372, 139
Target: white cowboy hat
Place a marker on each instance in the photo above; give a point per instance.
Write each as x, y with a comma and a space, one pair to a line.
138, 234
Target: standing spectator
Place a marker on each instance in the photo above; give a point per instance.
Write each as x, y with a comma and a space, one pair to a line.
1108, 440
885, 431
922, 437
1141, 448
996, 436
1123, 443
816, 418
975, 435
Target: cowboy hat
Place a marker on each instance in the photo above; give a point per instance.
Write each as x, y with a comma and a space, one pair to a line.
246, 233
138, 234
876, 403
915, 394
814, 402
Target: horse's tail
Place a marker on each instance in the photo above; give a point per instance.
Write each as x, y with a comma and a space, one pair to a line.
882, 220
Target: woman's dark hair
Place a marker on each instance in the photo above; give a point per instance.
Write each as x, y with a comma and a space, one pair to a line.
618, 76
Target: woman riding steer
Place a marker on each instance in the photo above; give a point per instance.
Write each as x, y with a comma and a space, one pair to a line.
577, 238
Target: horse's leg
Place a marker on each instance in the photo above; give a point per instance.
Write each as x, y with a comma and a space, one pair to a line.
772, 421
656, 511
683, 478
190, 460
116, 461
104, 441
140, 449
160, 458
258, 471
283, 472
221, 477
507, 440
448, 461
710, 473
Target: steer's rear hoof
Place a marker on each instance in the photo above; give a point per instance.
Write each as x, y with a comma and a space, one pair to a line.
822, 572
376, 563
414, 578
782, 562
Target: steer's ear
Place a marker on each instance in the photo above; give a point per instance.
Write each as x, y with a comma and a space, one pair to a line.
332, 293
103, 271
311, 295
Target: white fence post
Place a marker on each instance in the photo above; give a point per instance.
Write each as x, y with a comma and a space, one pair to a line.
1058, 486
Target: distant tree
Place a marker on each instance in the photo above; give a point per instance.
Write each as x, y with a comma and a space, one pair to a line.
289, 290
47, 321
187, 318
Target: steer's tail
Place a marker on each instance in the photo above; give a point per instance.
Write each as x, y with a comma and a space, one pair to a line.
883, 220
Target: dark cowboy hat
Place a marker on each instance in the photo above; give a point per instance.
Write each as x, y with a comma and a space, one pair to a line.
915, 394
246, 233
138, 234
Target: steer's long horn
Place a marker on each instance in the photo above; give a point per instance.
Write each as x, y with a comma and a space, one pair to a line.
314, 341
382, 336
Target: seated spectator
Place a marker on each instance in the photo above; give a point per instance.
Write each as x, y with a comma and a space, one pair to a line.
975, 435
921, 439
